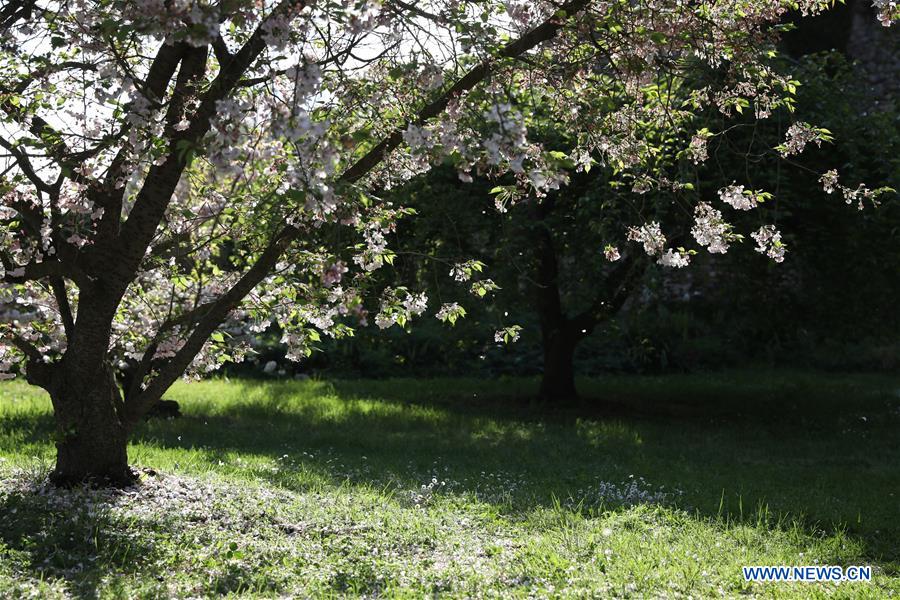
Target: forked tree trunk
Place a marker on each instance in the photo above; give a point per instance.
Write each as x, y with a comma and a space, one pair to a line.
91, 440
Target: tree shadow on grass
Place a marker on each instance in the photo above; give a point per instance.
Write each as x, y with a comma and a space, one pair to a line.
828, 470
791, 451
70, 535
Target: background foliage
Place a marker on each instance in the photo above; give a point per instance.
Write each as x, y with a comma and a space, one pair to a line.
830, 305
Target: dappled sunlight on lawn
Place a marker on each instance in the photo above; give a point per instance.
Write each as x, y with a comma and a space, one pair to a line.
478, 493
178, 535
602, 433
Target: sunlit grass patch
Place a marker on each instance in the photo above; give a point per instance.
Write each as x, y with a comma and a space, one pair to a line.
396, 489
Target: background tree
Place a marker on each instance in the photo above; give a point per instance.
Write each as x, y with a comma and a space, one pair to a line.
548, 257
150, 145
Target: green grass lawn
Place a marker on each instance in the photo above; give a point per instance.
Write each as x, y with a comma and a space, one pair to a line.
654, 487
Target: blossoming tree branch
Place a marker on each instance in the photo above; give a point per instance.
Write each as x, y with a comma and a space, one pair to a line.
178, 174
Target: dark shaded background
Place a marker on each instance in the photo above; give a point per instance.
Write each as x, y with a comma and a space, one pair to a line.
831, 305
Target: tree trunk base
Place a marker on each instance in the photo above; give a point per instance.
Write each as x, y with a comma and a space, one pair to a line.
558, 393
98, 459
117, 478
91, 441
558, 379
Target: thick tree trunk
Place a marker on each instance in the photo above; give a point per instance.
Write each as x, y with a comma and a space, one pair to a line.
91, 440
558, 379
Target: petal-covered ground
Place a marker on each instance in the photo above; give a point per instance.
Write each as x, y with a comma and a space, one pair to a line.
405, 489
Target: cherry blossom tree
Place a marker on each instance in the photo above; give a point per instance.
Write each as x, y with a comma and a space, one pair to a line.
180, 173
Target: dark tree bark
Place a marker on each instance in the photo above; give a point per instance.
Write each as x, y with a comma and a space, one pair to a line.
91, 440
560, 331
558, 378
14, 11
557, 337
